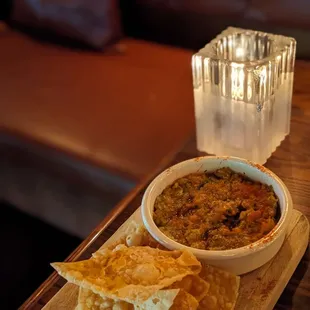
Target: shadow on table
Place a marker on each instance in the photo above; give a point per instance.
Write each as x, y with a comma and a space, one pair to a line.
295, 289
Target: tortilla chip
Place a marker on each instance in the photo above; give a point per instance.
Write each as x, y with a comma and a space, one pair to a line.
193, 285
131, 274
135, 235
171, 299
161, 300
184, 301
223, 291
148, 240
88, 300
132, 228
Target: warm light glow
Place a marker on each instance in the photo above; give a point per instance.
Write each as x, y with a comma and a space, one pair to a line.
243, 93
249, 87
240, 52
206, 67
237, 82
196, 67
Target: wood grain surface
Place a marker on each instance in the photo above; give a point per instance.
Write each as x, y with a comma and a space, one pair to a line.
259, 289
291, 162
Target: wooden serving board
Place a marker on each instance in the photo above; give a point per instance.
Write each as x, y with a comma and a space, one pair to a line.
259, 289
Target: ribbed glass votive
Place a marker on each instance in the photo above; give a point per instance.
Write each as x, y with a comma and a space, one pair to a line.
243, 83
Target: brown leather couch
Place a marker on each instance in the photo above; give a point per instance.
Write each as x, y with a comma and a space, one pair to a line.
192, 23
79, 127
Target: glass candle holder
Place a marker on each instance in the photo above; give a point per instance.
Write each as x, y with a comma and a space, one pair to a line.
243, 83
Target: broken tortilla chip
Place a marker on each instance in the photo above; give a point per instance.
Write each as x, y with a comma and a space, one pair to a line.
161, 300
134, 235
88, 300
131, 274
184, 301
193, 285
223, 291
170, 299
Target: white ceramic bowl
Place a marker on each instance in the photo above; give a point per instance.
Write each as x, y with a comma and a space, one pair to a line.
240, 260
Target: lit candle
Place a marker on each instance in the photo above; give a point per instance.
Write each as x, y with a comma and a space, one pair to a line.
243, 89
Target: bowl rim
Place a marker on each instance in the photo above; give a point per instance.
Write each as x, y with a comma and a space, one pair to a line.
256, 246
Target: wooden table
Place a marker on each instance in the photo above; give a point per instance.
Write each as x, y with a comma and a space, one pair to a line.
291, 162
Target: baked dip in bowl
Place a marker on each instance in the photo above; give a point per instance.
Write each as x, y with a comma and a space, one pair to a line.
229, 212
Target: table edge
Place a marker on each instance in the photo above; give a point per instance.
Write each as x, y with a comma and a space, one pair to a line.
110, 217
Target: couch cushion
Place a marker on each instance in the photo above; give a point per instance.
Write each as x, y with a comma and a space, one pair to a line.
120, 111
283, 12
186, 23
75, 208
96, 23
193, 23
225, 7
